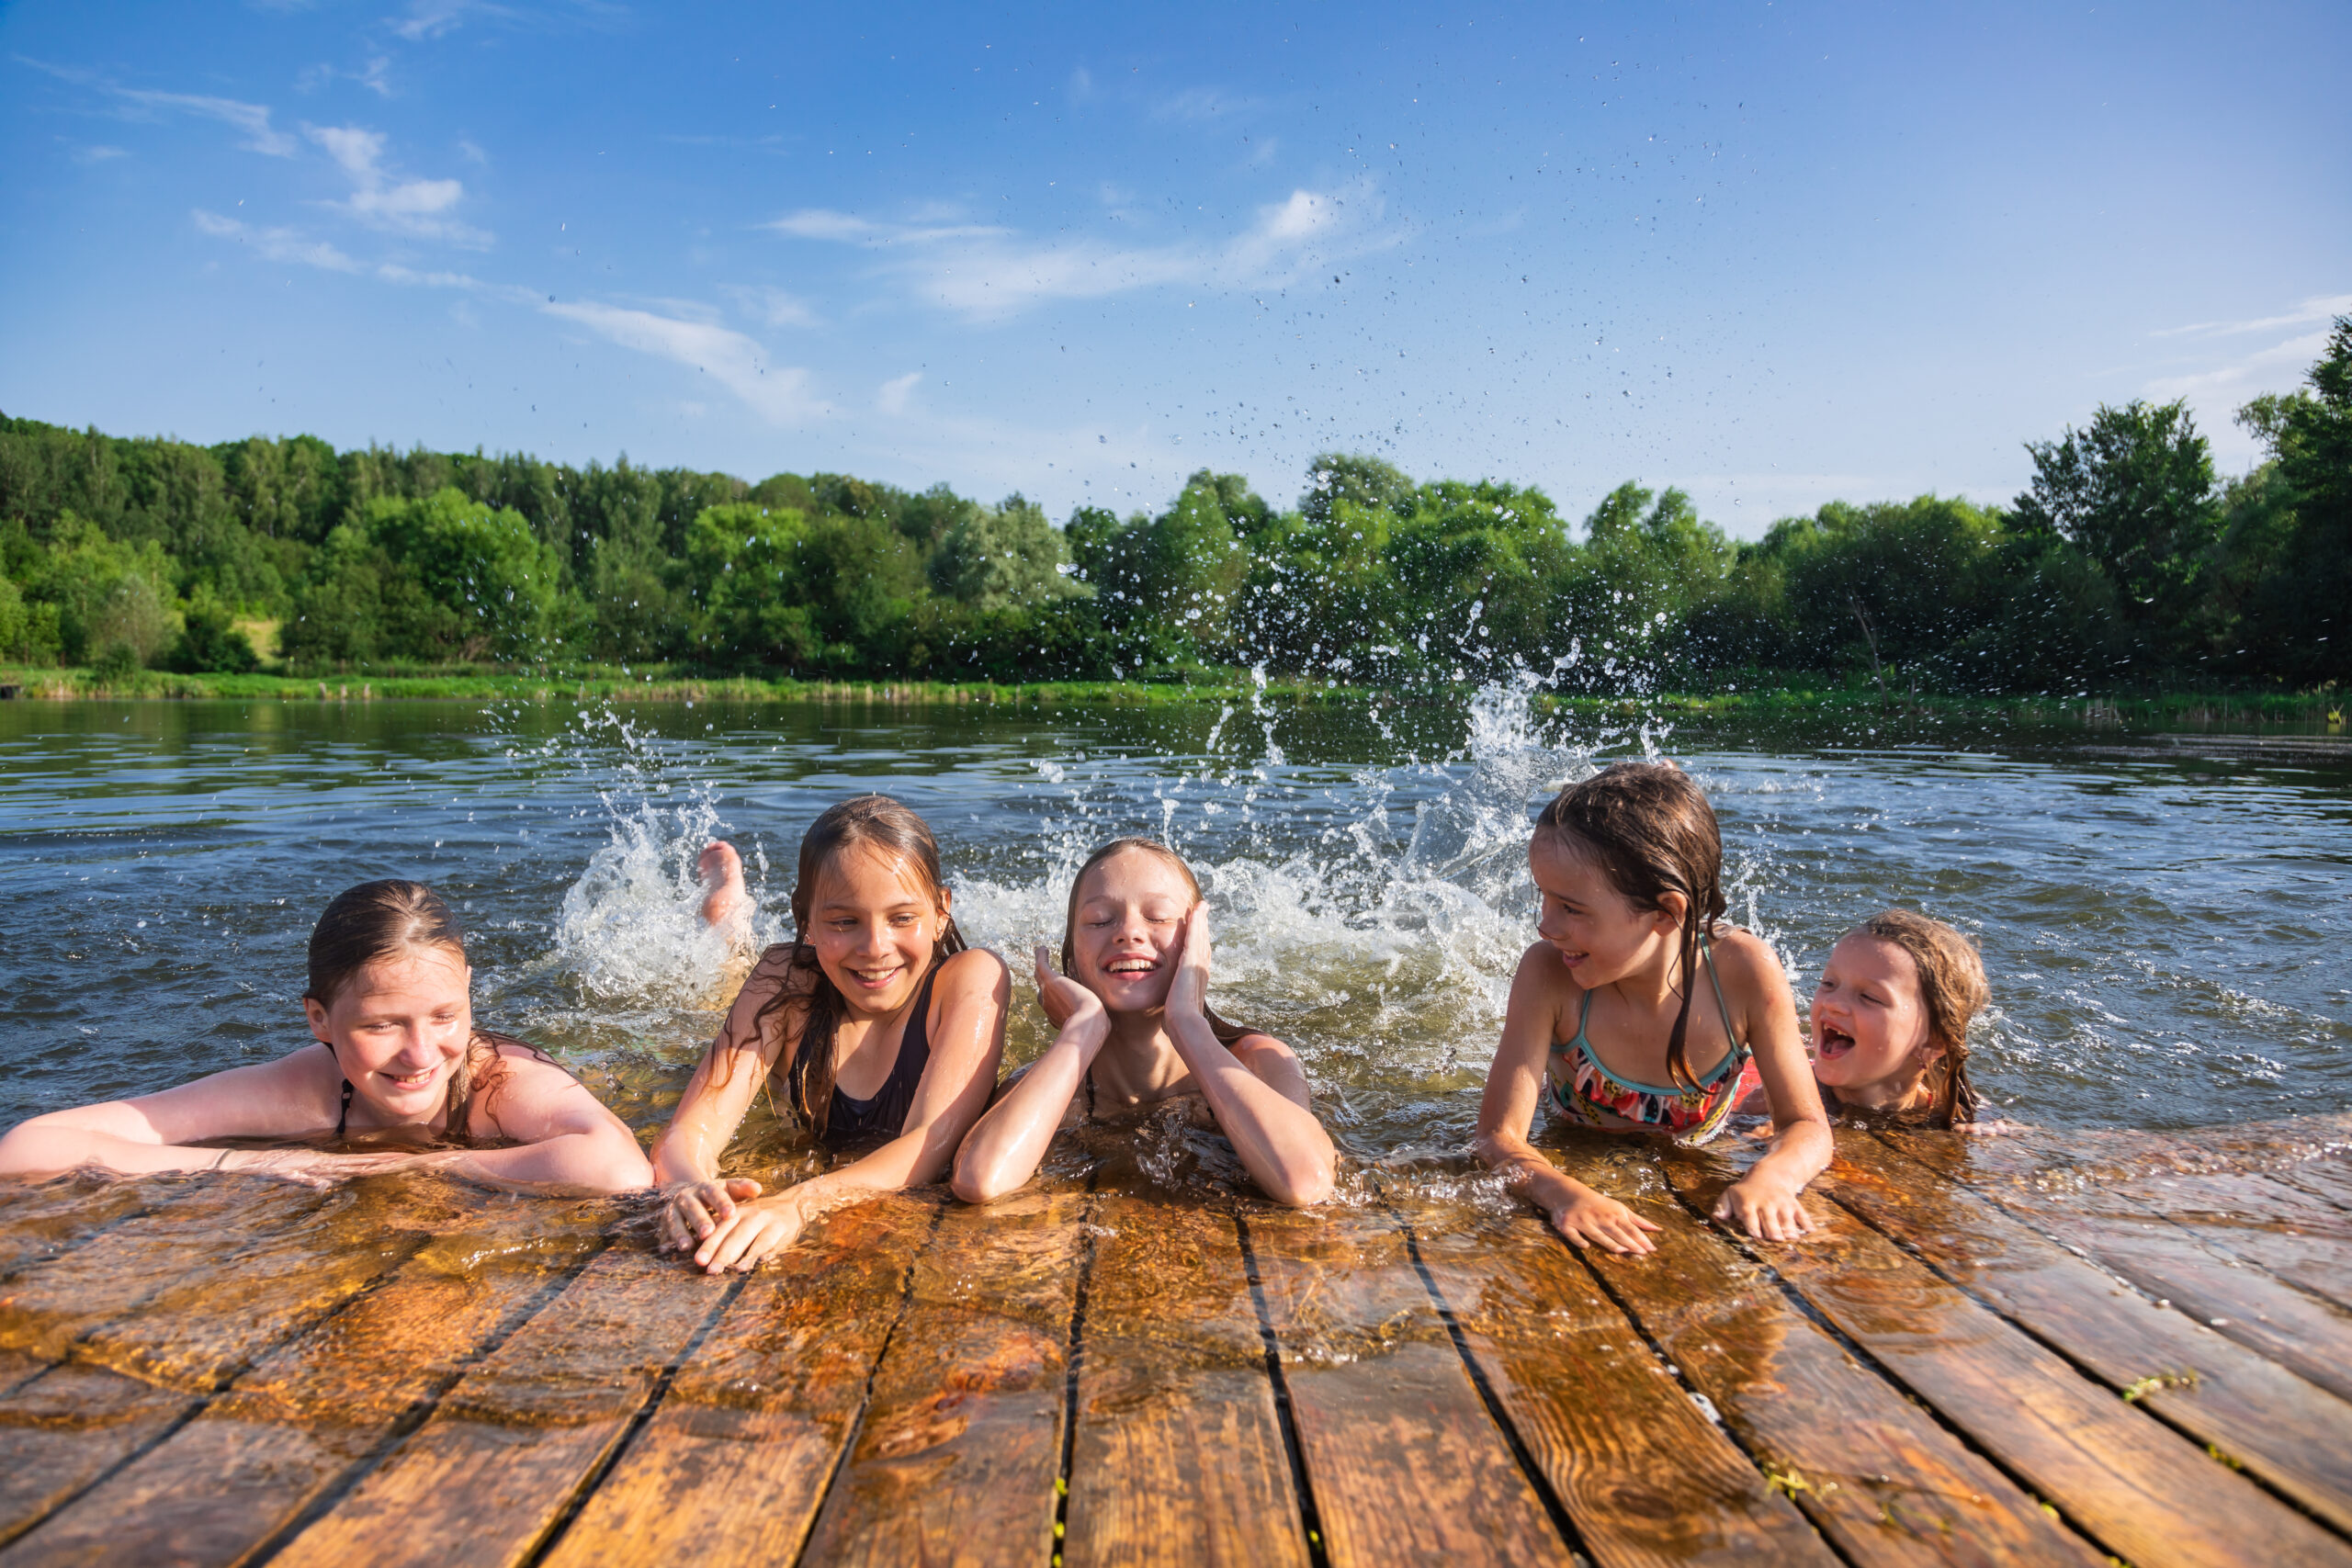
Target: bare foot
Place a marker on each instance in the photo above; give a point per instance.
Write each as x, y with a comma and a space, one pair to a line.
727, 906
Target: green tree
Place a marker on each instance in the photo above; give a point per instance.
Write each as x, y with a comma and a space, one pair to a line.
1006, 555
2135, 491
2301, 624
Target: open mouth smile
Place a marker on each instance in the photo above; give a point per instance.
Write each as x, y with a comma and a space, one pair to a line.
875, 980
1832, 1043
1131, 966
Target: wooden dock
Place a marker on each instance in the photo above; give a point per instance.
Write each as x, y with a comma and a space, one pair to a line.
2048, 1348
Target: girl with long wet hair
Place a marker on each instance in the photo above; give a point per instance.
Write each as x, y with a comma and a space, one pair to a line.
878, 1026
1639, 1012
1130, 1003
397, 1054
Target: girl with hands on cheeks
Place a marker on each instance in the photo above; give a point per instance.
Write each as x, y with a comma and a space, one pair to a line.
1131, 1005
1638, 1012
886, 1030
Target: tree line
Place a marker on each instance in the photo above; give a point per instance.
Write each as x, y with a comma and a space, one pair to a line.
2126, 561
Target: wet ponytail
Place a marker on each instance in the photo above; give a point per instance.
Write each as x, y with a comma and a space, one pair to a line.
378, 922
809, 1003
1650, 831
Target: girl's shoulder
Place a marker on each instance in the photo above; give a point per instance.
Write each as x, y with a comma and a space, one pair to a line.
1744, 959
974, 966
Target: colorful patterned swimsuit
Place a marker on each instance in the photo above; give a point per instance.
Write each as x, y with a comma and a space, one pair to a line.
1598, 1098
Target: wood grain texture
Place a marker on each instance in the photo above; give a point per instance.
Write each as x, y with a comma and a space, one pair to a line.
2296, 1437
733, 1465
1646, 1477
956, 1460
221, 1485
2134, 1485
1874, 1471
66, 1429
1405, 1464
1178, 1457
42, 1220
197, 1240
507, 1448
2290, 1325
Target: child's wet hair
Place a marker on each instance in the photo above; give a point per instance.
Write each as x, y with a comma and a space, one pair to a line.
372, 923
1226, 1033
1953, 989
1648, 829
884, 827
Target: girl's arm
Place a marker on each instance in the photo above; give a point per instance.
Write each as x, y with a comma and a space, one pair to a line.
1002, 1152
564, 1135
1506, 1112
1261, 1105
695, 1202
971, 995
1764, 1202
271, 1100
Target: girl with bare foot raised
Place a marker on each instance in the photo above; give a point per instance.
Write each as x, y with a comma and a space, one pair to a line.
1131, 1004
398, 1055
882, 1030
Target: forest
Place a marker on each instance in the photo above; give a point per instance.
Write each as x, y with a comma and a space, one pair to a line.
2126, 564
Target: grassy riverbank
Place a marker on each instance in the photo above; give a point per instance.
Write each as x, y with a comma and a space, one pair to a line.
2322, 711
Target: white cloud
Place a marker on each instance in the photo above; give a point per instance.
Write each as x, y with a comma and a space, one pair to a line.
989, 273
779, 394
773, 307
2275, 368
419, 208
98, 154
894, 392
1197, 103
2320, 308
276, 244
250, 119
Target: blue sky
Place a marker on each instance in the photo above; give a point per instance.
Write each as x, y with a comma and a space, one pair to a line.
1775, 253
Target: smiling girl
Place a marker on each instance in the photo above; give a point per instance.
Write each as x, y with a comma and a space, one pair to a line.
884, 1029
1639, 1013
1889, 1020
397, 1053
1131, 1005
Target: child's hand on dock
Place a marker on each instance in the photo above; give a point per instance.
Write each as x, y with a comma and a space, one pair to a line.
691, 1210
1765, 1209
1589, 1219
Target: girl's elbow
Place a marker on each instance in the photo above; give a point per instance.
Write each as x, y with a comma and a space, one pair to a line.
975, 1186
1305, 1186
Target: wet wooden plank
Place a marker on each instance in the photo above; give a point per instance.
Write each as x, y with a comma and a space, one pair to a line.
2296, 1437
66, 1429
2301, 1238
505, 1450
225, 1484
1178, 1457
1404, 1463
1873, 1471
1646, 1477
733, 1465
962, 1442
146, 1345
39, 1220
2133, 1484
2171, 1262
51, 1305
2328, 1178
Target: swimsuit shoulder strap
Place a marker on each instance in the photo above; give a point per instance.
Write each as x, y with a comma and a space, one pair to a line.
1707, 960
344, 1115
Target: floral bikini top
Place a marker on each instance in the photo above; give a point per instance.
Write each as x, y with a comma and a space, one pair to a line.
1598, 1098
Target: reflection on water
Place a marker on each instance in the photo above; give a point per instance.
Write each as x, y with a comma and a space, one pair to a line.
2164, 929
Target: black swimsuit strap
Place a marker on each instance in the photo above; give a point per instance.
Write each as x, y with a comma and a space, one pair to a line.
344, 1115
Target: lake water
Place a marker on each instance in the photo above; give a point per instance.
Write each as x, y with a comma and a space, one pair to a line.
2165, 922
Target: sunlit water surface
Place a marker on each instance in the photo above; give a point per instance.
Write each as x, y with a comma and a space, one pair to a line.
2165, 924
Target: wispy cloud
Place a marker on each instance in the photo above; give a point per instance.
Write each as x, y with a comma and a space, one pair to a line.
892, 399
2266, 369
2320, 308
418, 208
276, 244
779, 394
97, 154
985, 272
252, 120
773, 307
427, 19
1200, 104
